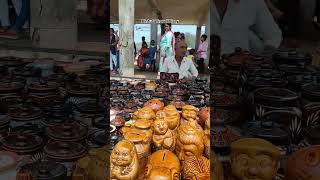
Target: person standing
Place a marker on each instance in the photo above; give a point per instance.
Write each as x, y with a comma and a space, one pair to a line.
152, 54
144, 43
202, 52
113, 51
167, 42
143, 56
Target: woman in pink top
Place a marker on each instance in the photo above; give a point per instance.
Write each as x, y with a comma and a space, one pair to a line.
202, 53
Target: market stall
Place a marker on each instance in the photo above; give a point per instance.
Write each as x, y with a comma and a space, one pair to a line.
158, 121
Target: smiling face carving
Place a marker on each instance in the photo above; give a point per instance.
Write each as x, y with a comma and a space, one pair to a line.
254, 159
123, 153
124, 161
160, 127
189, 112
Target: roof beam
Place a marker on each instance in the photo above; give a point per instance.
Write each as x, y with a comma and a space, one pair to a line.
155, 8
202, 17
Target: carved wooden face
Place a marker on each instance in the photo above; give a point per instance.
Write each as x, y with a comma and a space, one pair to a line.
189, 114
189, 142
253, 165
305, 164
160, 127
122, 154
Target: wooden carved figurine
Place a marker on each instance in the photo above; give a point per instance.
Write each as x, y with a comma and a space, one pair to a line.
304, 164
154, 104
124, 161
145, 113
196, 168
141, 135
189, 142
189, 115
163, 165
94, 165
253, 158
172, 116
163, 137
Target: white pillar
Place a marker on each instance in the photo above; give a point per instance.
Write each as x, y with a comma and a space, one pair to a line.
126, 26
198, 34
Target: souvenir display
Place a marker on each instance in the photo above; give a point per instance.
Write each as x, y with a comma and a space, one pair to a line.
166, 128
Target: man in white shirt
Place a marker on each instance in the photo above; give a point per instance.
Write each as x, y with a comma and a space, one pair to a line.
180, 64
239, 23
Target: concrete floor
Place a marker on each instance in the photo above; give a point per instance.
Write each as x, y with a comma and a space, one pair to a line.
90, 38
